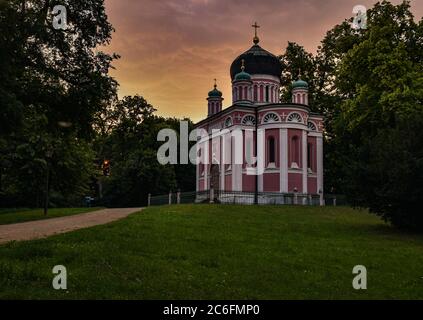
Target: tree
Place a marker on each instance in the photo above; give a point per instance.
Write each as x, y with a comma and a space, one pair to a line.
380, 81
53, 85
130, 144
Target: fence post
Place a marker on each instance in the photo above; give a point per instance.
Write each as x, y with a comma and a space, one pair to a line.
322, 200
211, 195
334, 201
149, 200
170, 197
178, 197
310, 200
295, 196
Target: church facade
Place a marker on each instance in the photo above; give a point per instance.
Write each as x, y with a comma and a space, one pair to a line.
292, 135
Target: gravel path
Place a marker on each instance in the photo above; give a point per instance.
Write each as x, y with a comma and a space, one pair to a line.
44, 228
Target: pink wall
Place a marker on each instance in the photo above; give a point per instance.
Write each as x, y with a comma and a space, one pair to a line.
228, 183
312, 185
295, 181
248, 183
271, 182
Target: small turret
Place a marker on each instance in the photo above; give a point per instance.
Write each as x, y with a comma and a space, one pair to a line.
242, 86
300, 91
215, 100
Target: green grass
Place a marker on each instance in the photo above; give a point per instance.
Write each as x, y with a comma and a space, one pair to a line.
221, 252
9, 216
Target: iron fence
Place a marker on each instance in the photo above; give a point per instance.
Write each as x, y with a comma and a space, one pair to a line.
246, 198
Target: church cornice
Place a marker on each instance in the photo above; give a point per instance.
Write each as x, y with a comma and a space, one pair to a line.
260, 108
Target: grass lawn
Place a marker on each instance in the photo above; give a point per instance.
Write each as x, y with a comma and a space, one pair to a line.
9, 216
221, 252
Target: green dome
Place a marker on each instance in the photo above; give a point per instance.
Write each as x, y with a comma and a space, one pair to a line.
300, 84
215, 93
242, 76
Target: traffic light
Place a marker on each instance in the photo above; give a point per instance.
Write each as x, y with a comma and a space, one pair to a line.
106, 168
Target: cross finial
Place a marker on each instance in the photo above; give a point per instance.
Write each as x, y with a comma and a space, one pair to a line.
242, 65
215, 83
256, 39
299, 74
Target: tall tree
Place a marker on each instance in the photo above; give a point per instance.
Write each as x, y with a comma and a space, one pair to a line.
381, 82
53, 85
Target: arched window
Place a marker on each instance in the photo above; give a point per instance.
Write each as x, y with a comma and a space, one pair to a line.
255, 94
295, 152
272, 150
261, 93
235, 94
246, 93
228, 122
311, 126
249, 120
240, 93
271, 117
295, 117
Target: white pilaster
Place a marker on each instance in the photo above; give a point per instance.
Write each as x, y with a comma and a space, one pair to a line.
283, 138
319, 144
304, 158
222, 162
197, 174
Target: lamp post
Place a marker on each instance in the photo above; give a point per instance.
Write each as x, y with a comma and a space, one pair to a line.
49, 154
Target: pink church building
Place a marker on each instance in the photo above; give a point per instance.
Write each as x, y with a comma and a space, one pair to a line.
293, 135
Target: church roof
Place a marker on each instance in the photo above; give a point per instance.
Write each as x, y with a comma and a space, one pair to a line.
258, 61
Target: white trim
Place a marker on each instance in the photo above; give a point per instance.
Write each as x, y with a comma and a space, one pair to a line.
283, 134
283, 125
222, 163
319, 144
304, 158
315, 134
197, 174
265, 77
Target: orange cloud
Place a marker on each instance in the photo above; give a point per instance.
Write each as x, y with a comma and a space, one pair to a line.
173, 49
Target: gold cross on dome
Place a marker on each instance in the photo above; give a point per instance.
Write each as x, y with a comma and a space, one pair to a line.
256, 39
255, 26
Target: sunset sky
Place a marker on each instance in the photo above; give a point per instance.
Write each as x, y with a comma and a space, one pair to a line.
171, 50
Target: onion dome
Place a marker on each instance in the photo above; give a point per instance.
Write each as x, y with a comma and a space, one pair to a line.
242, 76
300, 84
258, 60
215, 93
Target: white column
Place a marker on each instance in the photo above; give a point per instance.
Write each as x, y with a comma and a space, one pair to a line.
197, 175
304, 158
222, 163
283, 137
319, 144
